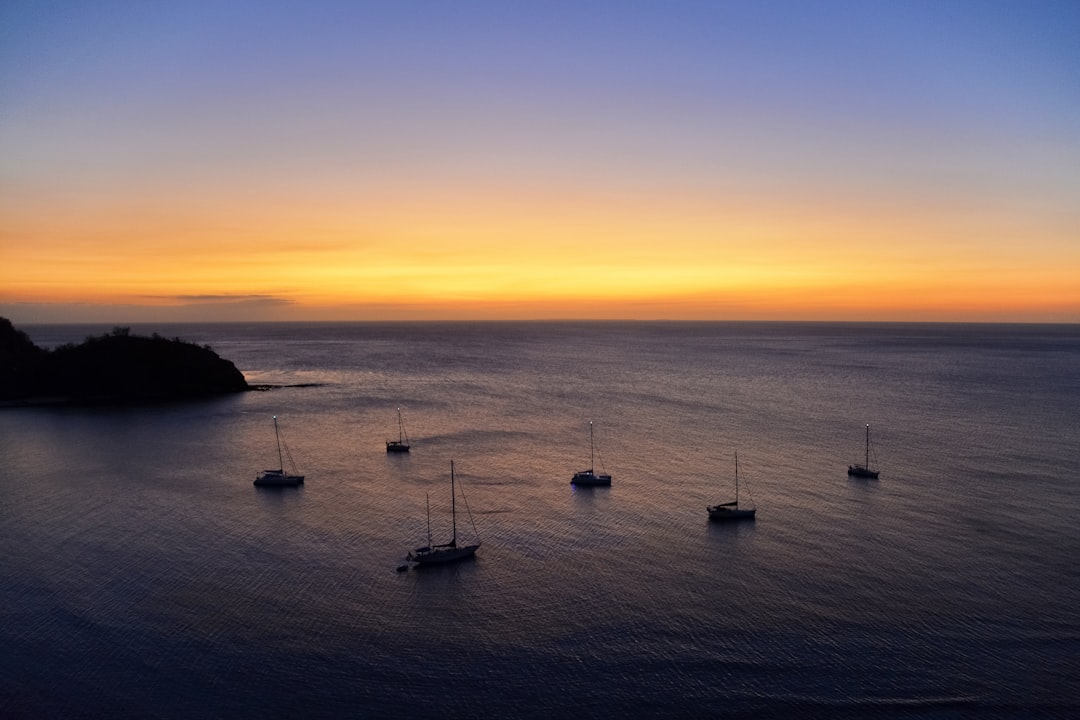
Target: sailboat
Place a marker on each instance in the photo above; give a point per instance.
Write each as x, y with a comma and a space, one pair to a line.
731, 510
590, 476
279, 478
447, 552
864, 471
401, 445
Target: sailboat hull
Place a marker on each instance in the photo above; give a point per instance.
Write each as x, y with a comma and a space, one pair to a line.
720, 513
277, 478
441, 555
393, 446
590, 478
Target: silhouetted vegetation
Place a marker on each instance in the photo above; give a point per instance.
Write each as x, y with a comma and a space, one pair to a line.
116, 367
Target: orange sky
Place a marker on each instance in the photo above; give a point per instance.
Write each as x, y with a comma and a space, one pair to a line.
531, 194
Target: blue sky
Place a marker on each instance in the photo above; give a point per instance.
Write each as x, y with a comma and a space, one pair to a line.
920, 109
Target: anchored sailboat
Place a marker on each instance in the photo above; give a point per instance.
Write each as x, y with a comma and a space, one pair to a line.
401, 445
731, 510
590, 476
278, 477
864, 471
451, 551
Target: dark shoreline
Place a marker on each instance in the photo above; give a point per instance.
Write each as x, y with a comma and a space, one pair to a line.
109, 401
117, 368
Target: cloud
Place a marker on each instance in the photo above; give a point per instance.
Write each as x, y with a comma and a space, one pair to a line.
248, 300
164, 308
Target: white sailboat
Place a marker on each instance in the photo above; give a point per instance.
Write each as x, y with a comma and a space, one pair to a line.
279, 477
864, 471
590, 476
401, 445
731, 510
451, 551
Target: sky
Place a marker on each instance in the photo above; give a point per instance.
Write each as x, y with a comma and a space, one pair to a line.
916, 160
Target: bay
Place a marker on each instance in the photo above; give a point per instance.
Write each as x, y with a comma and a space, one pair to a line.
144, 576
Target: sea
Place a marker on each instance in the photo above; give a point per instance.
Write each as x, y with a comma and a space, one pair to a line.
143, 575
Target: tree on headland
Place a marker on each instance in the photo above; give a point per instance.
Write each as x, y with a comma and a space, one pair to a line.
20, 361
116, 367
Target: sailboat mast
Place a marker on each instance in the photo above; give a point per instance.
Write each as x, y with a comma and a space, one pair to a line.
453, 506
400, 430
736, 480
277, 437
427, 501
867, 461
592, 462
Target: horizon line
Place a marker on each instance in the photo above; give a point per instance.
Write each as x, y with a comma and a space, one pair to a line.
504, 321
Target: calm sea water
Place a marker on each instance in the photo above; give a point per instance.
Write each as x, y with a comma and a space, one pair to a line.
142, 575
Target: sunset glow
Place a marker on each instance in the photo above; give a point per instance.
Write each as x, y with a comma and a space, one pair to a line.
847, 161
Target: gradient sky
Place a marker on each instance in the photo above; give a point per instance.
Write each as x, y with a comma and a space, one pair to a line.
719, 160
